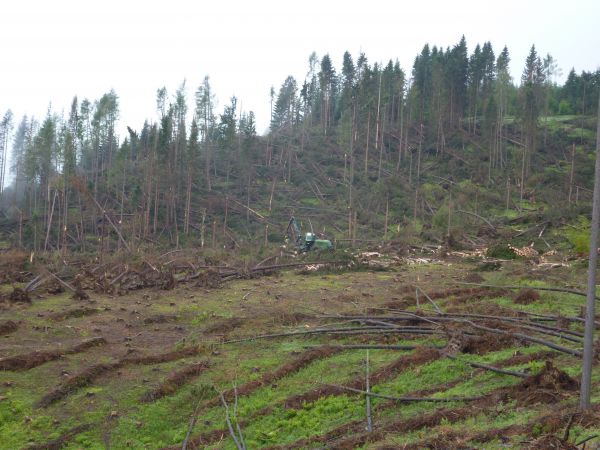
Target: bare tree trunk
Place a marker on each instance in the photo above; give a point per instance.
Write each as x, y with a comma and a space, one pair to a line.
367, 148
20, 229
418, 174
155, 221
354, 227
415, 205
387, 211
588, 340
380, 152
401, 136
225, 218
202, 228
49, 225
523, 174
272, 192
82, 237
214, 234
378, 121
188, 202
572, 172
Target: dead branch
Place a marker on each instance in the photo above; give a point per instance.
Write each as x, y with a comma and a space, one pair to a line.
348, 330
375, 346
525, 337
478, 216
405, 399
368, 387
307, 263
552, 289
490, 368
62, 283
237, 443
449, 317
437, 308
193, 420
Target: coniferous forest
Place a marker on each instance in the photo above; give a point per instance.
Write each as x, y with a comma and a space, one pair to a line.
364, 150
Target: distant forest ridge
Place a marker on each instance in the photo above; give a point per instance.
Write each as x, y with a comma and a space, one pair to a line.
364, 142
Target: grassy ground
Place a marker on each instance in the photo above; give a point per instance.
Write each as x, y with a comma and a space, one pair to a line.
150, 322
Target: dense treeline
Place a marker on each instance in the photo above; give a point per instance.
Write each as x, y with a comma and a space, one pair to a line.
362, 141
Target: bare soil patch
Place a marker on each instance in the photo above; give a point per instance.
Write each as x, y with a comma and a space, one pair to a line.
288, 318
487, 342
474, 277
30, 360
224, 326
71, 313
159, 318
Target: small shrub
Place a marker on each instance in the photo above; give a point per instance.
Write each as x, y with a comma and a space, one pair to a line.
579, 237
580, 240
501, 251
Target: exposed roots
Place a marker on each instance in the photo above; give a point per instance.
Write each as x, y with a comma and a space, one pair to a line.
8, 326
19, 295
459, 342
547, 386
526, 296
210, 278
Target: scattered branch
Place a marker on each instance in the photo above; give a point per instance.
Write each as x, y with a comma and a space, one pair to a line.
552, 289
490, 368
406, 399
478, 216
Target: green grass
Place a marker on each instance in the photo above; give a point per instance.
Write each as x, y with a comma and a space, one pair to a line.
165, 422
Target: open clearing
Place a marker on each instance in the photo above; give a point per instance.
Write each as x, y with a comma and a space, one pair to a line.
472, 366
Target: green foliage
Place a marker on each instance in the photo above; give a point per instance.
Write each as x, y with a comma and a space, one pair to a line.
564, 107
501, 251
579, 236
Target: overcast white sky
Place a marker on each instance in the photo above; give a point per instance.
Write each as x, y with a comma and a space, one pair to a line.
53, 50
